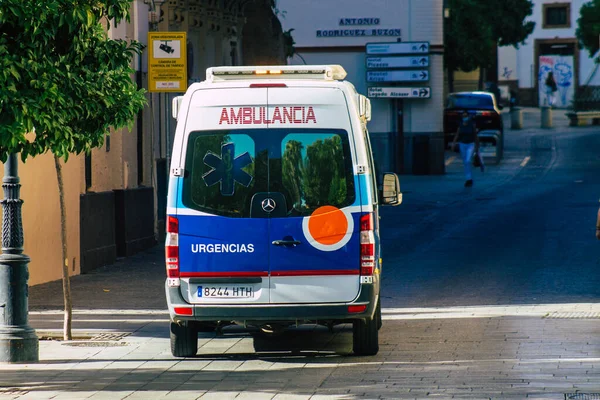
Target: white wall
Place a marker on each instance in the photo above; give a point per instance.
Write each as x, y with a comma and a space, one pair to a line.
526, 53
306, 17
355, 66
426, 24
507, 63
588, 69
419, 20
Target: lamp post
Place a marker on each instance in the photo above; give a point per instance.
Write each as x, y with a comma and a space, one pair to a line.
18, 341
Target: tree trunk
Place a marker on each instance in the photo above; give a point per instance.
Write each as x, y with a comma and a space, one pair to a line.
65, 267
481, 77
492, 71
450, 80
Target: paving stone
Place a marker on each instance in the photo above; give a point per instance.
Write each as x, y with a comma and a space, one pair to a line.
220, 396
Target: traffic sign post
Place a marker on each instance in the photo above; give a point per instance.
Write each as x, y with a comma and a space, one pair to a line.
397, 62
167, 62
398, 76
400, 92
388, 66
397, 48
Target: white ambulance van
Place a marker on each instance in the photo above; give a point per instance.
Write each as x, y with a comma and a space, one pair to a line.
272, 215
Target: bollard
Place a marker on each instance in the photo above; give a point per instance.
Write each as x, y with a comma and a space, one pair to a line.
491, 148
516, 118
546, 117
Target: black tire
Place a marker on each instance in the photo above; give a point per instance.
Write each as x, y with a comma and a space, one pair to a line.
365, 337
184, 340
378, 315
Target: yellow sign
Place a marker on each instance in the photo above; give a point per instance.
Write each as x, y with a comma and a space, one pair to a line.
167, 62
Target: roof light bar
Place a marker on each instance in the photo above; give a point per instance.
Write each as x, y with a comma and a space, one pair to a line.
323, 72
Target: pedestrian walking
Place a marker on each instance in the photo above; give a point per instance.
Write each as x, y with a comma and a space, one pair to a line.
551, 88
468, 142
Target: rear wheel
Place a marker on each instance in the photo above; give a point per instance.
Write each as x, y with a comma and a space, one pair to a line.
184, 340
365, 337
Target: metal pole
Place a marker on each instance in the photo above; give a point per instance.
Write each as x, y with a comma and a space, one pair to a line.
18, 341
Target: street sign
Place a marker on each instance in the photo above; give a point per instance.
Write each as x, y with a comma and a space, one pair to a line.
420, 75
400, 92
167, 62
397, 62
398, 48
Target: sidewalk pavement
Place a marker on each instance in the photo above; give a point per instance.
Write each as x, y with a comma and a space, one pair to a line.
532, 119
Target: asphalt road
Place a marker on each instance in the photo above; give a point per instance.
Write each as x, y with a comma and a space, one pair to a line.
528, 239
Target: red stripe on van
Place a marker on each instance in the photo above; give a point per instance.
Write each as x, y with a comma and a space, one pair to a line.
267, 85
320, 272
222, 274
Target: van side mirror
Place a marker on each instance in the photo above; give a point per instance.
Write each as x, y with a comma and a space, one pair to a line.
390, 193
175, 106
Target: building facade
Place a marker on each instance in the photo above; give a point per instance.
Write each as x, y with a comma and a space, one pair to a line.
407, 132
116, 196
552, 46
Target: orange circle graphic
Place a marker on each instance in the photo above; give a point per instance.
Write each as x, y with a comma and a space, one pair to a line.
328, 225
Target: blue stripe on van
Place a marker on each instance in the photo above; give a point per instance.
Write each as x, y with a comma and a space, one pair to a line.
363, 196
305, 257
173, 194
214, 245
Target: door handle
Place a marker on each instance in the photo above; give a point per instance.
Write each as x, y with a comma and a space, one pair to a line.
293, 243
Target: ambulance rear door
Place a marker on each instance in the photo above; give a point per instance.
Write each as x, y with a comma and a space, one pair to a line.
315, 224
224, 251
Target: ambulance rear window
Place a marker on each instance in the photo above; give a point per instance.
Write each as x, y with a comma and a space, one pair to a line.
226, 169
221, 170
316, 170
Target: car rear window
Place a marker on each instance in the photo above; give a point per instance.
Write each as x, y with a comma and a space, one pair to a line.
470, 101
225, 169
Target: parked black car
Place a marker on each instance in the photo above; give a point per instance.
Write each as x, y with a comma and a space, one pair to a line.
481, 105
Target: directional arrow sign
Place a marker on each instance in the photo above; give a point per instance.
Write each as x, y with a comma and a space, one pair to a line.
400, 92
398, 48
397, 62
420, 75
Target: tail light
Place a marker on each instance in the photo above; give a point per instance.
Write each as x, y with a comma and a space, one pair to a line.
485, 113
172, 251
367, 245
184, 310
357, 308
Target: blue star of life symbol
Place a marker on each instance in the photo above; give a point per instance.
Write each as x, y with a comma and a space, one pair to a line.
227, 169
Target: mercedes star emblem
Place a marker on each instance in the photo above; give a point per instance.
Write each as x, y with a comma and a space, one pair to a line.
268, 205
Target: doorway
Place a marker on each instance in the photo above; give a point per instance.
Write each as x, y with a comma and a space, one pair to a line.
559, 56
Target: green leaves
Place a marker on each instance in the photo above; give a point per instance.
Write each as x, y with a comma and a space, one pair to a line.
475, 27
588, 26
60, 74
467, 35
508, 25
